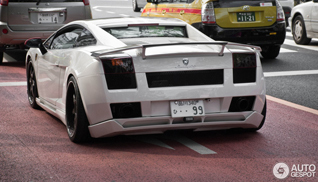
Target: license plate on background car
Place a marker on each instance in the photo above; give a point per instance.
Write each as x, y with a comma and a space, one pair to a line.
245, 17
186, 108
47, 17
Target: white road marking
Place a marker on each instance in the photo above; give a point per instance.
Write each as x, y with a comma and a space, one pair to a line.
292, 43
151, 140
181, 139
283, 50
112, 7
193, 145
290, 73
290, 104
123, 15
8, 84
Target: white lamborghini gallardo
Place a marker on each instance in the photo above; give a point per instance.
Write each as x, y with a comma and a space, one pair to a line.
139, 75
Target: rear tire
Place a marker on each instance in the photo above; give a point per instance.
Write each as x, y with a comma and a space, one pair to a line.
32, 89
76, 119
135, 6
299, 31
1, 57
270, 52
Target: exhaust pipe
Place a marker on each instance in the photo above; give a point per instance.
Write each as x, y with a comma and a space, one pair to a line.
239, 104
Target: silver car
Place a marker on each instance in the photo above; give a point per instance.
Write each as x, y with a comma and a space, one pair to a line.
304, 22
138, 4
23, 19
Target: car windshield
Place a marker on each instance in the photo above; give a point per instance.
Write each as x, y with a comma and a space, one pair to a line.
147, 31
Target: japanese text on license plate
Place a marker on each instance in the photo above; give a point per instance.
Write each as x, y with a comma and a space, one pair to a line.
47, 17
187, 108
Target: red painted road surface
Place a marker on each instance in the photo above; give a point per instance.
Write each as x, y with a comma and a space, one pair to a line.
34, 146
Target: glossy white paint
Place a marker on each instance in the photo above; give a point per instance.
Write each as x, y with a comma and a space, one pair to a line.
54, 68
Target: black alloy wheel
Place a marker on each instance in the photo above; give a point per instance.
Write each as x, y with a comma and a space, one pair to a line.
1, 57
31, 86
76, 119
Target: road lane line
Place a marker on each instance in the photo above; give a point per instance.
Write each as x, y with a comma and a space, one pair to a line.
290, 73
8, 84
112, 7
293, 105
283, 50
193, 145
292, 43
151, 140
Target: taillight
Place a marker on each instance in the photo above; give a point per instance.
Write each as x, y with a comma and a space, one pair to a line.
207, 13
280, 12
86, 2
5, 31
244, 67
4, 2
119, 72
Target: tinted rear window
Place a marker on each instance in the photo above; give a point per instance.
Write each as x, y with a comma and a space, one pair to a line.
231, 3
41, 1
176, 1
147, 31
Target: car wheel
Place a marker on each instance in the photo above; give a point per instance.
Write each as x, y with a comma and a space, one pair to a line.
1, 57
76, 119
299, 31
135, 6
270, 52
31, 86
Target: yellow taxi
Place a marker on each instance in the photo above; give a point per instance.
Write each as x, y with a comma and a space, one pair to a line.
257, 22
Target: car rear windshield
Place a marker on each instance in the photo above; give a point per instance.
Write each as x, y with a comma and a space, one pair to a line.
231, 3
46, 1
147, 31
175, 1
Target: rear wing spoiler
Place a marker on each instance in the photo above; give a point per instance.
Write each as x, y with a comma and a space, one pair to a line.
145, 46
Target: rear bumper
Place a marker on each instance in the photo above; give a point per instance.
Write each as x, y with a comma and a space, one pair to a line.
18, 37
273, 35
154, 125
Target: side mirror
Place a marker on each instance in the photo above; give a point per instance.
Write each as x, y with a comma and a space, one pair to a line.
35, 43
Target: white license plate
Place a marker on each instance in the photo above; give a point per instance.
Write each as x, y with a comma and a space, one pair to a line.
187, 108
47, 17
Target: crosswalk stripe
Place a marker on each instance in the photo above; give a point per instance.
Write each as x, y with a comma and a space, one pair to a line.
7, 84
290, 73
283, 50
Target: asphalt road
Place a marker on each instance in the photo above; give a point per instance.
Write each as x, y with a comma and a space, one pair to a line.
34, 145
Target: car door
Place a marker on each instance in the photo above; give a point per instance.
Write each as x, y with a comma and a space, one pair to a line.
314, 16
54, 62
